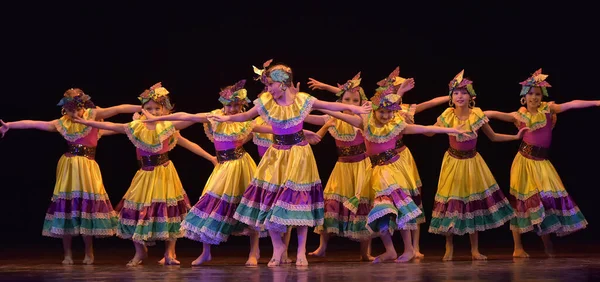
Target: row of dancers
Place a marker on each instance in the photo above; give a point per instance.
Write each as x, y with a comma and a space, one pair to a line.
373, 190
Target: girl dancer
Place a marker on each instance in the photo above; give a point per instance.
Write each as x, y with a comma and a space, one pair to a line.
351, 172
155, 203
536, 191
393, 207
409, 166
80, 205
286, 188
468, 199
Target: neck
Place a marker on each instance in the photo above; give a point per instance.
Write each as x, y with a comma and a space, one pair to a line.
532, 108
287, 97
461, 111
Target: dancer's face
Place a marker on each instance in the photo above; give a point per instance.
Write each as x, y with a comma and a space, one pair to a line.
233, 108
76, 113
154, 108
461, 98
534, 97
383, 115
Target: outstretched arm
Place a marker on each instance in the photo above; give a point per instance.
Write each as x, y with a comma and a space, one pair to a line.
180, 116
334, 106
116, 127
27, 124
432, 103
195, 148
316, 119
500, 116
497, 137
575, 104
102, 113
353, 120
429, 134
325, 128
103, 132
429, 130
315, 84
252, 113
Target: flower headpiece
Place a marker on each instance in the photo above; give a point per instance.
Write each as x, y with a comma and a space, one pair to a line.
459, 82
537, 79
387, 99
234, 93
158, 94
393, 80
352, 85
262, 76
72, 103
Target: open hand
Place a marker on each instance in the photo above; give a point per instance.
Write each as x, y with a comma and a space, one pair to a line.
364, 109
219, 118
312, 137
295, 89
4, 128
149, 116
315, 84
80, 120
213, 160
406, 86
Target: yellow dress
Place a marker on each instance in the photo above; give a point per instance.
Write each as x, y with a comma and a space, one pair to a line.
155, 203
351, 172
211, 219
393, 208
408, 166
262, 140
537, 193
80, 205
468, 198
286, 189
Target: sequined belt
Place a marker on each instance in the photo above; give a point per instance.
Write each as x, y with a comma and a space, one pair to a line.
533, 152
383, 157
81, 150
399, 143
288, 139
352, 150
153, 160
459, 154
230, 155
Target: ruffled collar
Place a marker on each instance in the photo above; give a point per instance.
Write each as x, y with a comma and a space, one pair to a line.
227, 131
475, 121
386, 132
73, 131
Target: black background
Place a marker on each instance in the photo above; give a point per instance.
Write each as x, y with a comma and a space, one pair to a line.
115, 52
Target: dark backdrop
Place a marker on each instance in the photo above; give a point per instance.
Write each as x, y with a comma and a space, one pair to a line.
115, 52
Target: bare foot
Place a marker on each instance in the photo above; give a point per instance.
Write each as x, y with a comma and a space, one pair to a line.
385, 257
171, 261
418, 254
319, 252
301, 260
88, 260
252, 260
162, 260
135, 261
67, 261
366, 258
276, 259
520, 253
204, 257
550, 252
477, 256
405, 257
285, 259
448, 255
